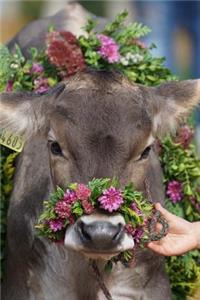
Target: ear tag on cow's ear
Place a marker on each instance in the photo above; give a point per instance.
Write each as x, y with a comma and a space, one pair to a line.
11, 140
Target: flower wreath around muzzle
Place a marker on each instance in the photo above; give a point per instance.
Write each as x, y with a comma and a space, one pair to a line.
65, 206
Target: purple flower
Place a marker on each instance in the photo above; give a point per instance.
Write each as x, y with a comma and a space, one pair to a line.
41, 85
9, 86
136, 233
37, 68
83, 192
70, 197
111, 199
136, 209
174, 191
55, 225
108, 49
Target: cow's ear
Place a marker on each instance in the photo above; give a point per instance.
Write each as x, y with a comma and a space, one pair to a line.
172, 102
25, 113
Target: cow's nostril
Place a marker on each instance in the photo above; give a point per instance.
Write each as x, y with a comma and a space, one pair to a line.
83, 231
119, 231
100, 235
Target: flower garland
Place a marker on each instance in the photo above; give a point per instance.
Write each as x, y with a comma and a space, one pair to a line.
65, 206
118, 47
181, 169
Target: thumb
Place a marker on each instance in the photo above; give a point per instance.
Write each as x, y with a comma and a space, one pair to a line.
165, 213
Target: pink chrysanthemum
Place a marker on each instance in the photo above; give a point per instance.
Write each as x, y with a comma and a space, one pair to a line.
83, 192
55, 224
174, 191
109, 49
70, 196
111, 199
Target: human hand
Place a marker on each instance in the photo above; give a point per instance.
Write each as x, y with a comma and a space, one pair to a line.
182, 236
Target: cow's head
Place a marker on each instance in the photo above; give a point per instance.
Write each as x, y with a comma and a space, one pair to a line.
97, 124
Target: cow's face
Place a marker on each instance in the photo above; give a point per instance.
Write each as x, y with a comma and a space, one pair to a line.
99, 125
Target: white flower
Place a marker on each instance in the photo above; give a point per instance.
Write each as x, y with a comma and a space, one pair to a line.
14, 66
131, 58
124, 61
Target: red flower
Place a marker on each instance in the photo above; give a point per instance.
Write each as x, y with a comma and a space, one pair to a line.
87, 206
83, 192
64, 52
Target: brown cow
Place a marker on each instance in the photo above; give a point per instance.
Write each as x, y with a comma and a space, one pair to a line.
96, 124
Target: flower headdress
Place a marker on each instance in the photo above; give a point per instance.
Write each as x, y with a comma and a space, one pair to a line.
116, 47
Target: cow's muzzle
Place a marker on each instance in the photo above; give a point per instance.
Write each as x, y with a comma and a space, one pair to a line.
99, 235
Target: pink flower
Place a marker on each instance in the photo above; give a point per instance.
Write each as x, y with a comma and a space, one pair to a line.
174, 191
136, 233
55, 225
37, 68
70, 197
41, 85
9, 86
109, 49
185, 136
136, 209
130, 229
63, 209
111, 199
87, 206
83, 192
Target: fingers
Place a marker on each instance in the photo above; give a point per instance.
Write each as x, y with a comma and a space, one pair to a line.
156, 248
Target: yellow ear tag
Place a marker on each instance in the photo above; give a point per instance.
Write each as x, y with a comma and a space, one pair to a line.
11, 140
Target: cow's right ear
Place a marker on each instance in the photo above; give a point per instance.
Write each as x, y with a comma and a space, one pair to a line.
25, 113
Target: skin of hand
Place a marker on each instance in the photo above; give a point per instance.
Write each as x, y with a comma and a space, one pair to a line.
182, 236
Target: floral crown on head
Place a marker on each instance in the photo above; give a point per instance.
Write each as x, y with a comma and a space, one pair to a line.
117, 47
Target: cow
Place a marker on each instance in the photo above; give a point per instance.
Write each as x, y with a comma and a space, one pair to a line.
95, 124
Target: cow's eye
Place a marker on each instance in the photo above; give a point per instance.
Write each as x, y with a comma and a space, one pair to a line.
145, 153
55, 148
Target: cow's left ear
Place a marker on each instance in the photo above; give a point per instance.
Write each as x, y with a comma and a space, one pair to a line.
172, 102
26, 113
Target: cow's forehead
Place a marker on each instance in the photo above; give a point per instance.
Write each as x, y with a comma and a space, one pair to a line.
106, 99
